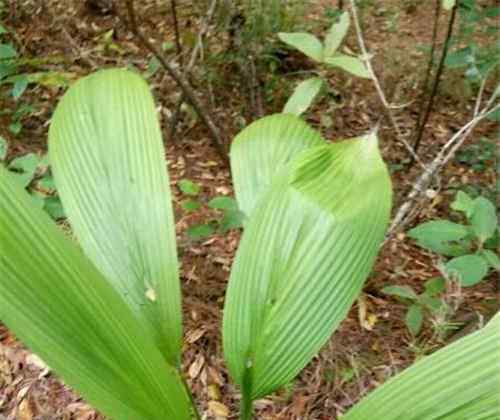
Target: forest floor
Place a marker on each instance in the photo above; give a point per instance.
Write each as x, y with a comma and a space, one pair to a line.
373, 343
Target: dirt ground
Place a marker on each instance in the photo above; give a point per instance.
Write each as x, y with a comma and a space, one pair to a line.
373, 343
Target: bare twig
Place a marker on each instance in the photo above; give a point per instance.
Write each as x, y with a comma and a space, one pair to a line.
447, 152
178, 46
387, 106
430, 66
190, 95
423, 123
192, 60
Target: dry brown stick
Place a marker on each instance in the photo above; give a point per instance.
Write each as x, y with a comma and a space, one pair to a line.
388, 107
428, 71
203, 30
178, 46
439, 72
181, 81
442, 158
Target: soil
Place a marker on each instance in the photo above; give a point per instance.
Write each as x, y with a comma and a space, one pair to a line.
373, 343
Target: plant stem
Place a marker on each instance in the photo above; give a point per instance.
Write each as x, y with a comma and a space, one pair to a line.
246, 411
439, 72
182, 82
191, 399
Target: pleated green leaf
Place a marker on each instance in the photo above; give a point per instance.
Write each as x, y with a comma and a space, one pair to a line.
304, 256
61, 306
107, 156
262, 149
458, 382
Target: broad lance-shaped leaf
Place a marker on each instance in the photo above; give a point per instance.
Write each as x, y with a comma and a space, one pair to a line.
303, 96
304, 256
336, 34
306, 43
58, 303
458, 382
350, 64
262, 149
108, 160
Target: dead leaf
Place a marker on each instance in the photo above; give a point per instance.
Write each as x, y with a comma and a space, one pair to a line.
218, 409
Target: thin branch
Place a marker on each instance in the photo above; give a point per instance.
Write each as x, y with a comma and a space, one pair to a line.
192, 60
447, 152
430, 104
178, 46
184, 85
387, 106
430, 66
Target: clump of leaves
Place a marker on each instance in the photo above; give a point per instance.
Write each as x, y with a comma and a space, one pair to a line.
33, 173
18, 73
475, 50
472, 245
324, 54
419, 304
229, 216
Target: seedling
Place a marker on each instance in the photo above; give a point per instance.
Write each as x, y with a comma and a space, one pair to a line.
418, 304
326, 55
33, 174
470, 247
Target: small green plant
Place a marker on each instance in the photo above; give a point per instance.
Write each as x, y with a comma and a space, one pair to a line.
33, 174
419, 304
105, 313
17, 73
475, 48
324, 54
472, 246
229, 217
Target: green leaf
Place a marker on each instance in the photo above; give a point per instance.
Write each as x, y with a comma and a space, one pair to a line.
449, 4
492, 259
61, 307
4, 148
305, 43
7, 51
435, 286
405, 292
46, 184
198, 232
15, 127
19, 86
438, 230
463, 203
431, 302
191, 205
27, 166
457, 382
350, 64
188, 187
262, 150
484, 218
305, 253
111, 175
303, 96
223, 203
3, 30
470, 269
53, 206
414, 318
336, 34
233, 219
